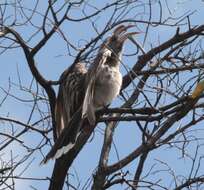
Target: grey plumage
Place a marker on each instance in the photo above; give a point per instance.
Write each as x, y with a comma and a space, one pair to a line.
83, 92
70, 96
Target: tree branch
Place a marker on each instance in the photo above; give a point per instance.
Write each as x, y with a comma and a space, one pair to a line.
143, 59
151, 142
39, 78
190, 182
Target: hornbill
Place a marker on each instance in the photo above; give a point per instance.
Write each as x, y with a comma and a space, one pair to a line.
83, 91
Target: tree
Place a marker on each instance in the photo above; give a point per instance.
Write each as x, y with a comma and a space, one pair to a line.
155, 114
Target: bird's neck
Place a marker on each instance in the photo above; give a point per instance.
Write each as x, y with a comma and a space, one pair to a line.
114, 61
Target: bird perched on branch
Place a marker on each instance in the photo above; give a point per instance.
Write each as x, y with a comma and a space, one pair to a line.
83, 92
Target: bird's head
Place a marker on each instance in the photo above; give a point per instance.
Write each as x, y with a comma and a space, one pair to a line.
119, 36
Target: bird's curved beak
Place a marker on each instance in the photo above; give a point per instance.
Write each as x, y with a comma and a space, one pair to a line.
128, 35
120, 32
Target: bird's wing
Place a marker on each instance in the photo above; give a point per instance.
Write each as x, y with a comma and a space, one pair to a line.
70, 96
88, 109
68, 110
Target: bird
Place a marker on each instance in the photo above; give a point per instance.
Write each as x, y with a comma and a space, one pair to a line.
84, 91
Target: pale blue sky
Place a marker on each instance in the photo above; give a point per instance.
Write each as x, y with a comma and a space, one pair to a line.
52, 60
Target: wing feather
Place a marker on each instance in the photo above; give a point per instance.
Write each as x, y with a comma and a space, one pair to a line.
68, 110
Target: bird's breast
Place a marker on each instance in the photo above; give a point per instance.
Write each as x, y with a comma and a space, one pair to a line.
107, 86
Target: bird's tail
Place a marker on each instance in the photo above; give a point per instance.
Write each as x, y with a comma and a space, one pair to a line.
67, 138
